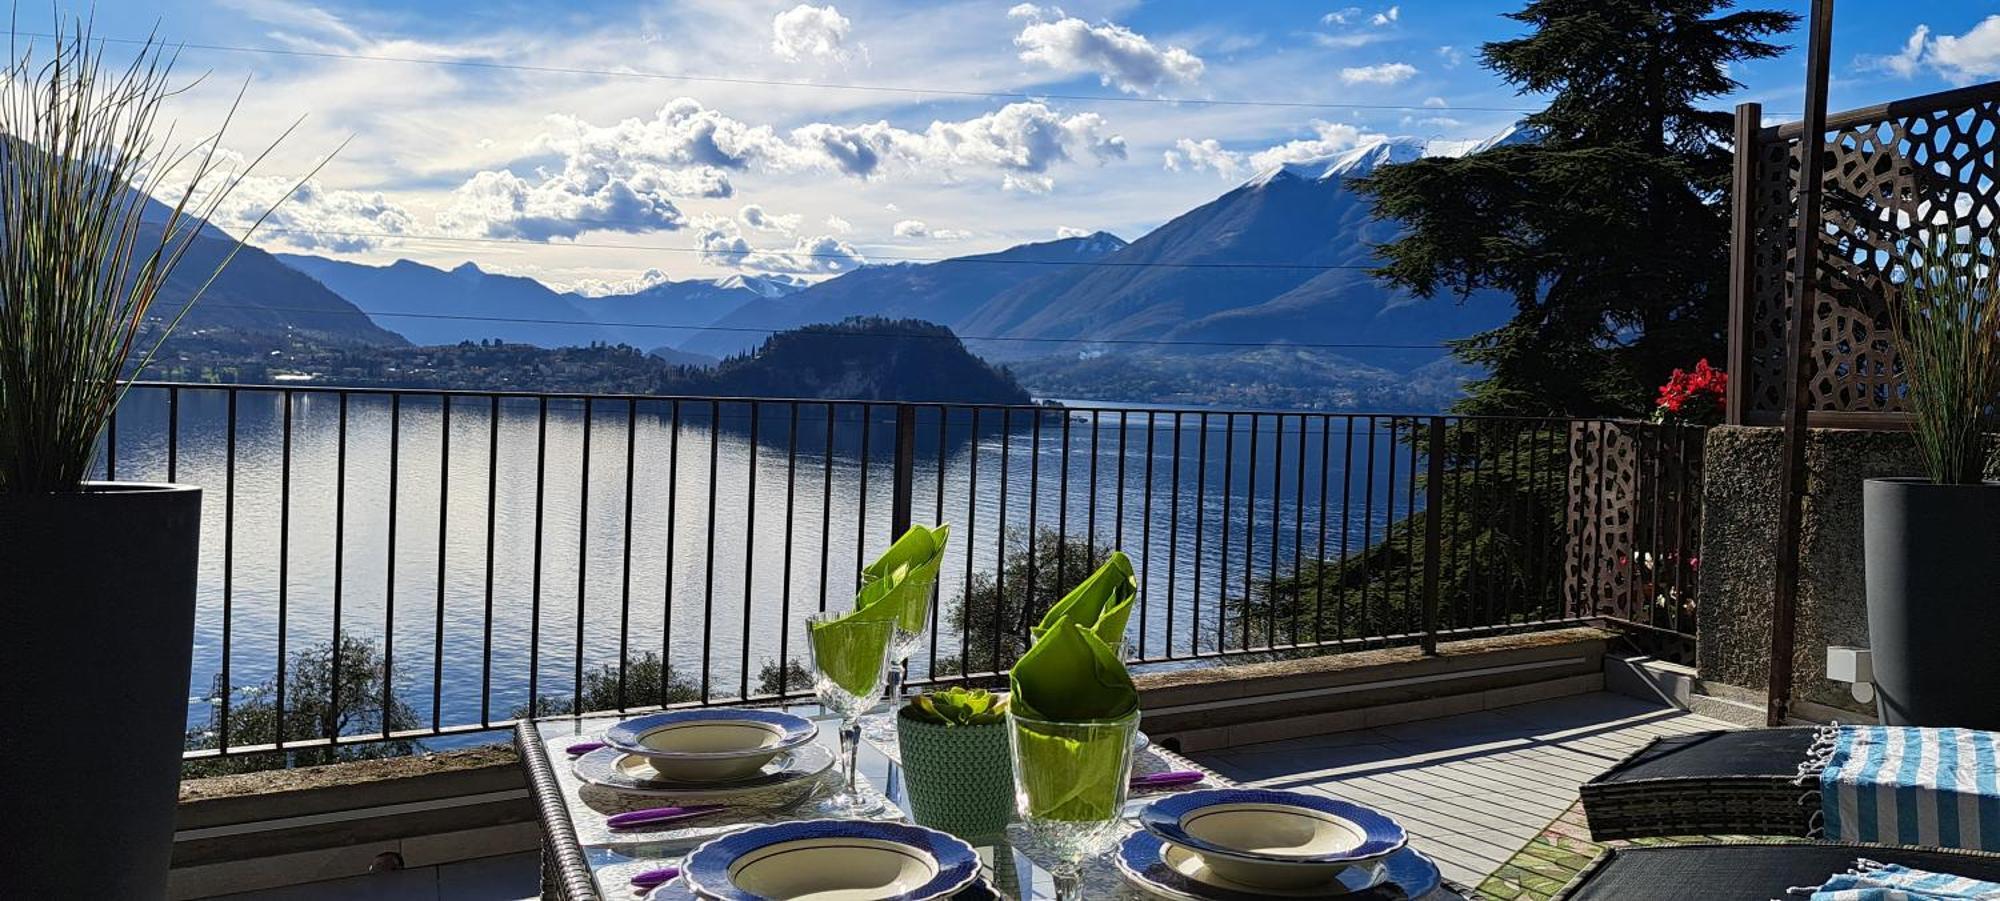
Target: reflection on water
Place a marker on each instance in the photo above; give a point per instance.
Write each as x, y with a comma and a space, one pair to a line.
510, 553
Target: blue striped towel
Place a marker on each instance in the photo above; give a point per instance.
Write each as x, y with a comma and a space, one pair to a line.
1871, 881
1904, 785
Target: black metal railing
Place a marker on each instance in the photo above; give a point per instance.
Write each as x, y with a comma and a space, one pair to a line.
400, 565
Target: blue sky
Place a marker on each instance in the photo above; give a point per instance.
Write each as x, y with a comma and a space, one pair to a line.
548, 139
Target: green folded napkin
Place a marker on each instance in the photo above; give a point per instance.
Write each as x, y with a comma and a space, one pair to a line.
1101, 603
1071, 678
903, 575
895, 587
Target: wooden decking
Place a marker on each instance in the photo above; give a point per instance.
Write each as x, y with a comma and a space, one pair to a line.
1472, 788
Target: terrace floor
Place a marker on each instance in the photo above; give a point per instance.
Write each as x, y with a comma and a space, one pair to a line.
1474, 788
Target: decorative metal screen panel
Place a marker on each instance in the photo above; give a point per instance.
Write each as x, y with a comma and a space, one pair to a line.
1890, 171
1634, 522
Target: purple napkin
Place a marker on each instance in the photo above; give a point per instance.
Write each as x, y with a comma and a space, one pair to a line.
1168, 779
656, 815
651, 879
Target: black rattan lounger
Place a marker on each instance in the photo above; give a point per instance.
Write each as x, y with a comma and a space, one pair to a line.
1749, 872
1740, 782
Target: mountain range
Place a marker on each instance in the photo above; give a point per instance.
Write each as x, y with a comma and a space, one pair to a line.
1263, 292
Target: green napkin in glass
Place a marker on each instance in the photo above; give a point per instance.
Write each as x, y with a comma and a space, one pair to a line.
1072, 675
1101, 603
903, 575
894, 587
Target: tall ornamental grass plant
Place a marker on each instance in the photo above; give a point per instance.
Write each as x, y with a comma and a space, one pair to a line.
1947, 331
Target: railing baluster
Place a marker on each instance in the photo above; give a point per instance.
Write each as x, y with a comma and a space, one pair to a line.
1145, 534
1000, 611
340, 561
174, 432
1200, 527
443, 536
1433, 530
284, 559
1340, 601
937, 517
673, 529
1031, 602
1250, 536
708, 555
1173, 522
577, 702
785, 589
535, 580
228, 558
492, 522
389, 582
1222, 579
749, 551
971, 520
826, 511
1062, 507
905, 463
861, 508
625, 551
1370, 618
1299, 532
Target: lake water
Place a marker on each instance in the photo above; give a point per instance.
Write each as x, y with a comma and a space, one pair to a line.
677, 538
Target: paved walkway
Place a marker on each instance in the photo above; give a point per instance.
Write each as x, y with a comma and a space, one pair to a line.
1472, 789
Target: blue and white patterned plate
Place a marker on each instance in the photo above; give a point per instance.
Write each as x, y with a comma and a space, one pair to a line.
1174, 872
677, 890
1366, 834
891, 861
789, 730
626, 774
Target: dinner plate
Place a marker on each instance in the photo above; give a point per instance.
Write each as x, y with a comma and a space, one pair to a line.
836, 860
631, 775
1170, 871
677, 890
1279, 828
710, 745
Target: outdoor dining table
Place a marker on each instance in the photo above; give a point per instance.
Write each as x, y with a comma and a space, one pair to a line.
583, 860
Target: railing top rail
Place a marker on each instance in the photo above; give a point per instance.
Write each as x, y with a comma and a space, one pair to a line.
1892, 110
845, 402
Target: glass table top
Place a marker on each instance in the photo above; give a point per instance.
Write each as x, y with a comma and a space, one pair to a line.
613, 858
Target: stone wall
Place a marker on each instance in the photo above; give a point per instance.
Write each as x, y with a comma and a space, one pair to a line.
1740, 503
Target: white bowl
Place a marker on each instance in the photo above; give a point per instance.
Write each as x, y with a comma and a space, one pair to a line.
710, 745
1269, 839
832, 860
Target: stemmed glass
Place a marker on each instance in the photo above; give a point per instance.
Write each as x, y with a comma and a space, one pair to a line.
850, 657
900, 649
1070, 785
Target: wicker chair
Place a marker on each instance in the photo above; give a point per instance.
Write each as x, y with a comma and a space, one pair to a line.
1748, 871
1706, 783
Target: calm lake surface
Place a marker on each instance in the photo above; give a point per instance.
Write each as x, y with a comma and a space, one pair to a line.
568, 531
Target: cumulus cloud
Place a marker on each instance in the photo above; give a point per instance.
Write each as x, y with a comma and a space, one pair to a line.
1386, 17
916, 228
1194, 156
605, 287
314, 217
1347, 16
810, 32
1451, 55
757, 217
1071, 231
1117, 55
1383, 74
839, 225
722, 244
1961, 59
1328, 138
501, 204
1020, 140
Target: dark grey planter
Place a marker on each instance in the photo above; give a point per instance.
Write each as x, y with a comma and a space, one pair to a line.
98, 623
1932, 554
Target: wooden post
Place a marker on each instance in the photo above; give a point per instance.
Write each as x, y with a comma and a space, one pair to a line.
1812, 145
1743, 255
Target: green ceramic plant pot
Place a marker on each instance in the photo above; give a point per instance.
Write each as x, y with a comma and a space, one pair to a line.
961, 778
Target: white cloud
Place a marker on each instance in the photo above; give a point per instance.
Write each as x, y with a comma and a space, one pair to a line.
757, 217
806, 31
839, 225
916, 228
1384, 74
314, 217
1386, 17
1961, 59
1195, 156
1347, 16
1020, 140
1071, 231
722, 244
501, 204
1031, 11
1115, 54
604, 287
1328, 138
1435, 102
1452, 56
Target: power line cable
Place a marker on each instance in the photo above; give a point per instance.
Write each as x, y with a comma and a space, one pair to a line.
771, 82
523, 320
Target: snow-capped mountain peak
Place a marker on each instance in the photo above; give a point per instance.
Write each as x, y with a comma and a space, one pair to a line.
1385, 151
761, 285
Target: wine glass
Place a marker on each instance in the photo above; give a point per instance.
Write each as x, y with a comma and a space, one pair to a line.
902, 646
1070, 784
850, 658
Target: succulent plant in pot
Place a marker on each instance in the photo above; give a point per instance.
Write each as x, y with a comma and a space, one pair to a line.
97, 212
1932, 543
954, 750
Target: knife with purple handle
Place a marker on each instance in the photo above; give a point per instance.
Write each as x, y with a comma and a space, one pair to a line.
1168, 779
583, 747
648, 880
654, 816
